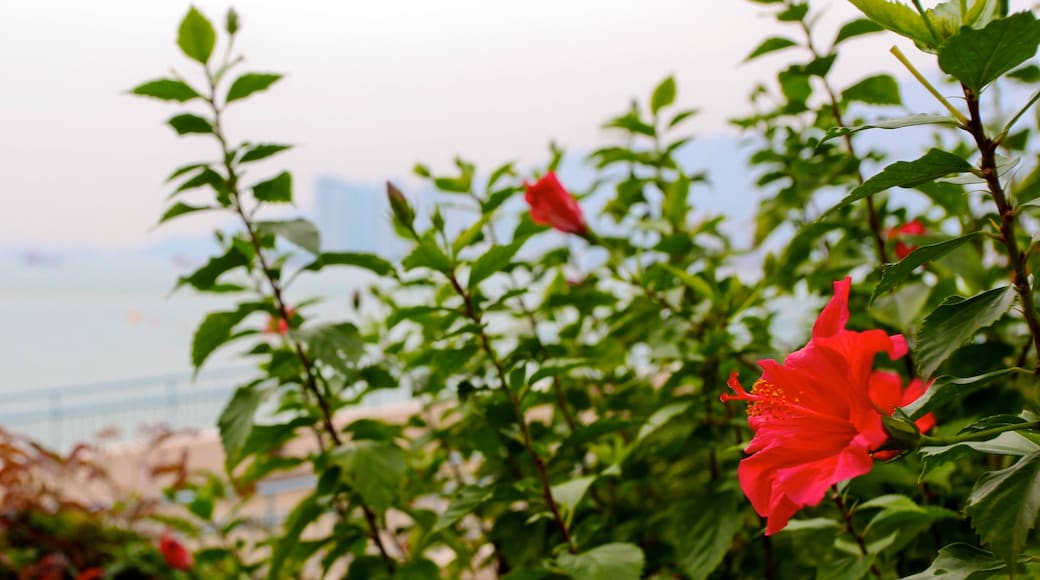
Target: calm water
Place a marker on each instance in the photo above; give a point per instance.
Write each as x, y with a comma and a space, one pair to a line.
85, 319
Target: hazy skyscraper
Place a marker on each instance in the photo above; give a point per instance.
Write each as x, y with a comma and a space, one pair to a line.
352, 216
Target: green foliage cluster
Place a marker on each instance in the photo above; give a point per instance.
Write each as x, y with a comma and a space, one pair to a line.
567, 419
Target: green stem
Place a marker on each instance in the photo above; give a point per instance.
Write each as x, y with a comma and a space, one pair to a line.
983, 435
1007, 128
931, 89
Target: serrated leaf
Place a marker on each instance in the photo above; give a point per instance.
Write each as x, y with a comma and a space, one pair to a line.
496, 259
703, 530
978, 57
897, 123
961, 562
375, 470
187, 124
875, 90
250, 83
898, 18
305, 512
663, 95
465, 501
955, 322
369, 262
338, 345
166, 90
236, 421
262, 151
893, 274
855, 28
299, 231
427, 255
568, 494
659, 418
935, 164
1004, 507
276, 189
205, 278
769, 45
214, 331
946, 389
617, 561
178, 209
196, 36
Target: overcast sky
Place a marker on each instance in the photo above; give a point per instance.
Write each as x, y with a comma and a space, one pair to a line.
372, 87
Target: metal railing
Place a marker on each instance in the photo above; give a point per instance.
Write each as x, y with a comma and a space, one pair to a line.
58, 417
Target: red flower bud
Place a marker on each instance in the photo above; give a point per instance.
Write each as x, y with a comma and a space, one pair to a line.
176, 555
551, 205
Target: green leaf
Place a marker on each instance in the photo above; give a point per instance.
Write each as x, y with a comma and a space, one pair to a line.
906, 174
298, 231
955, 322
897, 123
855, 28
236, 421
846, 567
276, 189
376, 470
214, 331
1004, 507
178, 209
305, 512
794, 13
369, 262
187, 123
961, 562
875, 90
659, 418
427, 254
250, 83
496, 259
893, 274
338, 345
465, 501
568, 494
617, 561
196, 36
769, 45
703, 530
262, 151
663, 95
898, 18
205, 278
946, 389
978, 57
167, 90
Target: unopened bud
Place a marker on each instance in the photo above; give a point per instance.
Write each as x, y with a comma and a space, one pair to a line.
231, 24
403, 211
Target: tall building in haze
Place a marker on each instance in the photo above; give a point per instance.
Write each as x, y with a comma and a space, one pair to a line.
353, 217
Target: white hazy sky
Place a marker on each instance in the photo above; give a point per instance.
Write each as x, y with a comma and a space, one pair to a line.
372, 87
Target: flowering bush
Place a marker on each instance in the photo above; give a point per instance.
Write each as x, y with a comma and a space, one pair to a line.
567, 385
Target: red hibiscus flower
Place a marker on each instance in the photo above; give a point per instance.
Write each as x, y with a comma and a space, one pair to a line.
176, 555
911, 228
817, 417
551, 205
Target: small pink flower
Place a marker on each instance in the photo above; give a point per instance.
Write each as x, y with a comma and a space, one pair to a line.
552, 205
